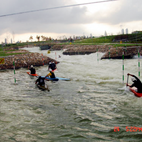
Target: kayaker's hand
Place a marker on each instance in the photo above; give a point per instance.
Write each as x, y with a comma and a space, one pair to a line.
129, 74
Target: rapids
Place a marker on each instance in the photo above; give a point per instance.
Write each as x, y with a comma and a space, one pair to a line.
85, 109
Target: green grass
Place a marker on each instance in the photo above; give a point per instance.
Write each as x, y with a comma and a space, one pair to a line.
3, 53
93, 41
133, 40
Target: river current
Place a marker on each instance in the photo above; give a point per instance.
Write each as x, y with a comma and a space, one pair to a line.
94, 106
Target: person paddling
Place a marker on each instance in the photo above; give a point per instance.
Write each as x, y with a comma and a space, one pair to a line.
52, 65
50, 74
41, 83
136, 83
32, 69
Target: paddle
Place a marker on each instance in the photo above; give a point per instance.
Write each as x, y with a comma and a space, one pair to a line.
127, 78
126, 89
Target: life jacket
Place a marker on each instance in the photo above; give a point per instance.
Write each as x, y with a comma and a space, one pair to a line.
32, 70
52, 74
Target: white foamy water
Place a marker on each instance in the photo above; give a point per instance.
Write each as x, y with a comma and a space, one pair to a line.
87, 108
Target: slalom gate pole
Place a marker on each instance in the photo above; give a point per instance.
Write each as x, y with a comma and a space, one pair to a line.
42, 59
127, 78
14, 71
109, 53
97, 55
123, 67
138, 63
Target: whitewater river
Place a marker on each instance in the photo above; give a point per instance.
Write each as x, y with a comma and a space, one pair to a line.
85, 109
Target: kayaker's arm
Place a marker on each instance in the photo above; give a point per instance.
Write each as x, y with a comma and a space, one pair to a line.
48, 75
128, 84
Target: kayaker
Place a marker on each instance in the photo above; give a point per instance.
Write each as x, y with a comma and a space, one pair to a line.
136, 83
50, 74
40, 81
32, 69
52, 65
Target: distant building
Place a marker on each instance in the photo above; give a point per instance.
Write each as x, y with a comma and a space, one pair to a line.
74, 37
78, 37
105, 33
126, 31
122, 31
90, 35
5, 41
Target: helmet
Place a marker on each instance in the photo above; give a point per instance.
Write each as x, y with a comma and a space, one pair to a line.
32, 66
133, 79
50, 69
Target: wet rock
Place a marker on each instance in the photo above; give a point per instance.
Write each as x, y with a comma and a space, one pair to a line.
25, 60
117, 53
109, 50
86, 49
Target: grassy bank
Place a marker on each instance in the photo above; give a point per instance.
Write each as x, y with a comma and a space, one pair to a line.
5, 52
114, 40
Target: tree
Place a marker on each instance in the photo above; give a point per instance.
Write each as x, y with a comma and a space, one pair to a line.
49, 38
38, 37
42, 38
46, 38
31, 38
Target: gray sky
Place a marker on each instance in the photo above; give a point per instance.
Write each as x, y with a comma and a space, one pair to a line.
92, 19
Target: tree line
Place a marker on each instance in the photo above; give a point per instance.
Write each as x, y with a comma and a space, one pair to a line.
40, 38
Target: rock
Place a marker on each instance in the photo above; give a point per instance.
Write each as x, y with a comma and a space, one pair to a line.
116, 53
86, 49
25, 60
109, 50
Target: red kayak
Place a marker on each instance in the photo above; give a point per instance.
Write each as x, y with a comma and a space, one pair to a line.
32, 74
135, 93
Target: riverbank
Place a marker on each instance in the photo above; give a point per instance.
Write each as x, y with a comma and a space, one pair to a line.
127, 52
26, 58
109, 50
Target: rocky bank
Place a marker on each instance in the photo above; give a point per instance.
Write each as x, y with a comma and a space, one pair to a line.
117, 53
37, 59
109, 50
25, 60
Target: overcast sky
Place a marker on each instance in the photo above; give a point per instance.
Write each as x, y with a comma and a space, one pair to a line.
82, 20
